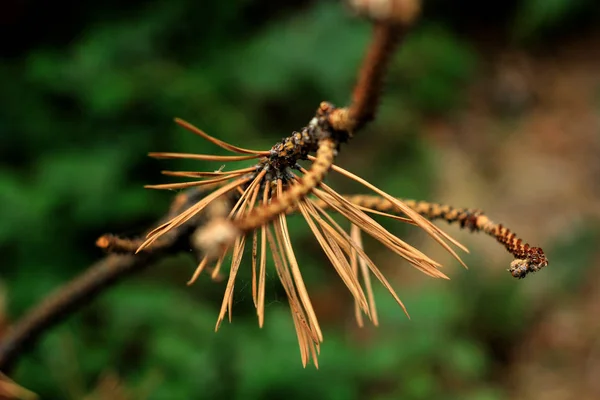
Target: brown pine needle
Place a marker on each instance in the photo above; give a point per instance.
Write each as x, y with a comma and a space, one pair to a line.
373, 268
206, 157
254, 262
387, 215
190, 212
254, 245
302, 331
278, 260
433, 231
251, 191
249, 194
300, 334
299, 282
260, 309
194, 174
237, 255
216, 141
356, 237
217, 269
198, 271
356, 216
357, 311
185, 185
255, 192
235, 264
362, 255
306, 335
334, 241
334, 256
288, 282
244, 204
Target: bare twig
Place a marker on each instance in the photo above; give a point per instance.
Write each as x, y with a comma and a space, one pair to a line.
62, 302
367, 93
82, 289
528, 259
391, 19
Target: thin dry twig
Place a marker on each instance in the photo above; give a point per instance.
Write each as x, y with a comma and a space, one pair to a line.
528, 259
58, 305
66, 299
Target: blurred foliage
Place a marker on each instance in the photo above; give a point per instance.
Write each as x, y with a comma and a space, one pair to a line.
434, 65
542, 16
84, 101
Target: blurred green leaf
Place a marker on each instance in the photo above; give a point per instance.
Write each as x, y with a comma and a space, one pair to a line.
433, 67
536, 16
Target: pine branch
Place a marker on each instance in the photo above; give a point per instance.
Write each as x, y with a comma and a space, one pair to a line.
217, 214
115, 267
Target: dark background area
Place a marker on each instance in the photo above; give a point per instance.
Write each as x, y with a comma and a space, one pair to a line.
491, 105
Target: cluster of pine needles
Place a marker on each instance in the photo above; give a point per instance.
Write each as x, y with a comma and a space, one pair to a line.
255, 187
250, 205
253, 203
230, 209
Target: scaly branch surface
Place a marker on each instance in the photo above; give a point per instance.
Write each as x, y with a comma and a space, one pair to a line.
528, 259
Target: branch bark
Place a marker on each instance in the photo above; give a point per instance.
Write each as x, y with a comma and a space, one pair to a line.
67, 299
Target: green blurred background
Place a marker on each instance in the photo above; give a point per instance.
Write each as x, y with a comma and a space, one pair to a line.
492, 105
